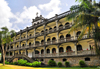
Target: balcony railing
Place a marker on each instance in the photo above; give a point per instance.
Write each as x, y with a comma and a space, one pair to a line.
71, 53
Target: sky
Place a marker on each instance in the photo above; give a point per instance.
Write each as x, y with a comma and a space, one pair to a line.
18, 14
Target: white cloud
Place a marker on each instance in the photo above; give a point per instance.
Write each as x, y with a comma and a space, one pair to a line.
66, 4
52, 7
5, 14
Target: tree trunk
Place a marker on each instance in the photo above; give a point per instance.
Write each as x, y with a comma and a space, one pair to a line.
3, 54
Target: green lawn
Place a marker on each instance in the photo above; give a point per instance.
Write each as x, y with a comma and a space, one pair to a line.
24, 67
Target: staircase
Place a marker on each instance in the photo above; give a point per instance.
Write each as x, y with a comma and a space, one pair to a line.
21, 56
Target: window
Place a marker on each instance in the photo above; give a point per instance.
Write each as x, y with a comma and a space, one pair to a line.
87, 59
64, 59
41, 60
52, 59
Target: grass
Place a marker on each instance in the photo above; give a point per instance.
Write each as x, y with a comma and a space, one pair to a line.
24, 67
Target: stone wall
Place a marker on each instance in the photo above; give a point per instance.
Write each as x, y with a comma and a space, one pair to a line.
74, 61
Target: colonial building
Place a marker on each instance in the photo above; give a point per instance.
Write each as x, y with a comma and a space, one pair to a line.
49, 39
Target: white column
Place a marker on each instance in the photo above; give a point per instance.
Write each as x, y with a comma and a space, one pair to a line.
75, 48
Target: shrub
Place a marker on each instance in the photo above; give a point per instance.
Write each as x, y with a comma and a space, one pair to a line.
51, 63
67, 64
6, 62
28, 64
22, 62
82, 63
15, 63
36, 64
59, 64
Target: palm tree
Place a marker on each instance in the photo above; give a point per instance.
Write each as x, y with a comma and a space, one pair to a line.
5, 40
86, 16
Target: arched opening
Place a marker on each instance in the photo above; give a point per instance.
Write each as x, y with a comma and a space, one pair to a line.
78, 33
79, 47
54, 27
68, 48
68, 36
53, 39
42, 51
24, 36
46, 30
60, 25
11, 47
30, 35
23, 45
17, 46
7, 53
48, 50
87, 59
30, 44
53, 50
36, 52
42, 31
67, 24
10, 53
50, 28
64, 59
42, 41
61, 49
48, 40
61, 37
37, 42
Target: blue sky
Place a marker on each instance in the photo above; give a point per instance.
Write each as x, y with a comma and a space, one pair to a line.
18, 14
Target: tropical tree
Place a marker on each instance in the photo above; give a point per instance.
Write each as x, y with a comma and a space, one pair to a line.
86, 15
5, 40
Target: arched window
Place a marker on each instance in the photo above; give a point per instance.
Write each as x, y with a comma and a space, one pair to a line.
30, 34
42, 41
48, 39
61, 49
17, 46
53, 50
42, 31
30, 44
79, 47
64, 59
37, 42
87, 59
68, 48
55, 27
53, 39
42, 51
68, 36
67, 24
60, 25
78, 33
23, 45
46, 30
48, 50
11, 47
36, 52
50, 28
61, 37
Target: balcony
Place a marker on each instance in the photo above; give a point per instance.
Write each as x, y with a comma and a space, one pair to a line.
65, 54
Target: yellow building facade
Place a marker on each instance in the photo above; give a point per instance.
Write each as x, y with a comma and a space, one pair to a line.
49, 39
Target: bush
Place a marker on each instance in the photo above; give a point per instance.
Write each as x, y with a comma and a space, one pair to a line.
6, 62
82, 63
15, 63
59, 64
36, 64
28, 64
22, 62
51, 63
67, 64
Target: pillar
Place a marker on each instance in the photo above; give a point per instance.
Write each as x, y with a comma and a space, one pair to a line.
58, 49
34, 52
75, 48
57, 37
44, 34
26, 52
20, 44
26, 42
44, 51
19, 52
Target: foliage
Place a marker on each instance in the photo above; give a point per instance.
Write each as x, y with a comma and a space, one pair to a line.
51, 63
28, 64
67, 64
59, 64
22, 62
82, 63
6, 62
15, 63
36, 64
